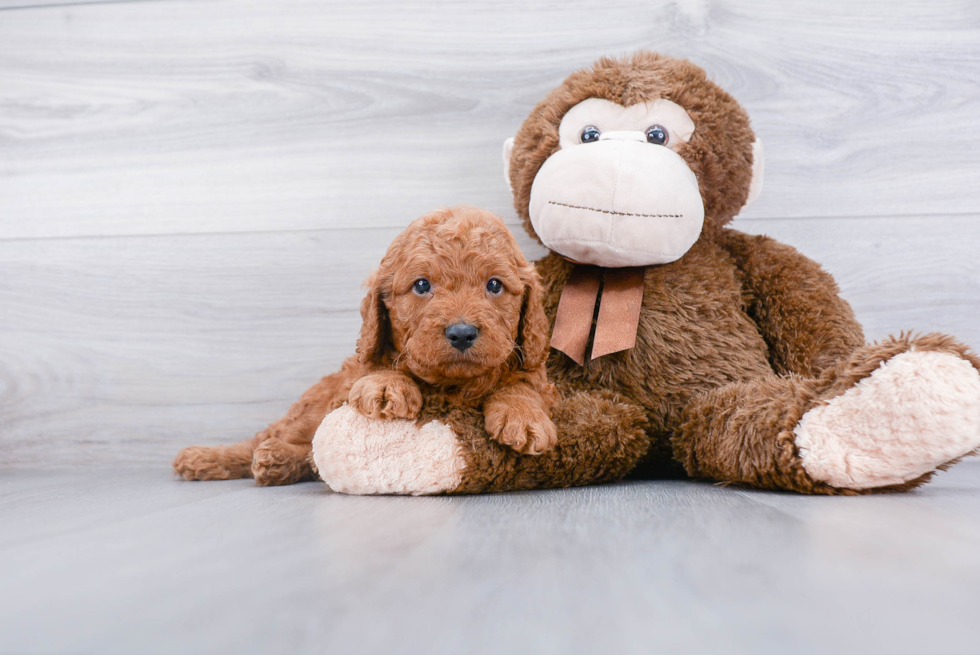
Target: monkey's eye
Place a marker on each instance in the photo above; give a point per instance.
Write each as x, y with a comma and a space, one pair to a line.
495, 286
421, 286
590, 134
657, 134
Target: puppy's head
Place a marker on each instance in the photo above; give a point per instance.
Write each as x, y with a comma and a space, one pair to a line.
454, 299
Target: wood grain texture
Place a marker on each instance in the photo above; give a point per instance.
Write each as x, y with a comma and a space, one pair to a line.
175, 117
14, 5
137, 562
125, 349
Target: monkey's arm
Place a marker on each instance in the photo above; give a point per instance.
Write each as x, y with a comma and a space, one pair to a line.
796, 304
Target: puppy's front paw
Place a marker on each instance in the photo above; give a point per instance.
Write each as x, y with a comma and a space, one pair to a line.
387, 396
528, 430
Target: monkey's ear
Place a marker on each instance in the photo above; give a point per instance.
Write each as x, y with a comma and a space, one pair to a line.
508, 149
758, 166
533, 330
375, 339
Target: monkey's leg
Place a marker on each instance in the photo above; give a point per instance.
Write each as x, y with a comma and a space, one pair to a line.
601, 437
278, 454
883, 420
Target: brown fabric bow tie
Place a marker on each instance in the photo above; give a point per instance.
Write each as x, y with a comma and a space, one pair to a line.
618, 317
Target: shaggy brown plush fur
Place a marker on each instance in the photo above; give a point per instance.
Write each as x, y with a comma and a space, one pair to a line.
739, 337
600, 439
754, 411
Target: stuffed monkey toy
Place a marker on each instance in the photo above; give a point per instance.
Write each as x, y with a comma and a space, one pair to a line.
748, 365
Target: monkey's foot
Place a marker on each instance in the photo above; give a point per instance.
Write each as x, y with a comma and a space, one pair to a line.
918, 411
355, 454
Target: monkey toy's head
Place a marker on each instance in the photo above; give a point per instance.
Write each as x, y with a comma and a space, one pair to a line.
626, 163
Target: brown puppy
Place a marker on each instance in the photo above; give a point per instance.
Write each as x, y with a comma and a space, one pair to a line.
453, 317
454, 310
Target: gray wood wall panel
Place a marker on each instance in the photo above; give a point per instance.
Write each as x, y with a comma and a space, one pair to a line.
192, 192
121, 349
14, 5
160, 117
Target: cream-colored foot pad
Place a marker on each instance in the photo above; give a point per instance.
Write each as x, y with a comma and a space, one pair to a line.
359, 455
917, 411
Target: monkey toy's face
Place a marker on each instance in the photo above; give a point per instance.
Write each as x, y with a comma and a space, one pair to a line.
615, 186
617, 192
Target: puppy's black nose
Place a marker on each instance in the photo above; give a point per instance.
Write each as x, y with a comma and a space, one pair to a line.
462, 335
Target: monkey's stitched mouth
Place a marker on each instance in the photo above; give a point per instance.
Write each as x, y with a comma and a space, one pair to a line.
609, 211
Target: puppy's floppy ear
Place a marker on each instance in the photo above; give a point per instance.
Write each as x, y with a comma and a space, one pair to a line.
375, 340
532, 332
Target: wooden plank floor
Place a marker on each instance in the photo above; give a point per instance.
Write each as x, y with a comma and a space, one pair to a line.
190, 195
136, 562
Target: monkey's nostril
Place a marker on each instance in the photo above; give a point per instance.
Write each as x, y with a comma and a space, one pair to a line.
462, 335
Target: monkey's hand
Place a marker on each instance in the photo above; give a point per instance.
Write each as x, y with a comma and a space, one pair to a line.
386, 395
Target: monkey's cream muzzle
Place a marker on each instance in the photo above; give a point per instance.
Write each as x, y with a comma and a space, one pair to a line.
617, 195
617, 202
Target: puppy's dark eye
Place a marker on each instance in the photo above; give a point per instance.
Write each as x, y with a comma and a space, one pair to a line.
657, 134
421, 286
495, 286
590, 134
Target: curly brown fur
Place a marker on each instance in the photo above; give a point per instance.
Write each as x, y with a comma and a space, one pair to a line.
403, 341
403, 355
